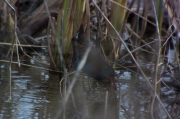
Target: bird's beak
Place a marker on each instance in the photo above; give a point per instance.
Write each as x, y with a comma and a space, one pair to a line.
113, 83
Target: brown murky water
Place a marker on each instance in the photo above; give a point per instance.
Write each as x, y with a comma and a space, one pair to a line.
38, 94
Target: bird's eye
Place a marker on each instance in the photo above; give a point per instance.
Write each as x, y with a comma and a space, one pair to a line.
77, 35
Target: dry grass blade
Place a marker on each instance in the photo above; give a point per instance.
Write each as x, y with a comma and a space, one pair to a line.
51, 45
12, 40
106, 105
157, 67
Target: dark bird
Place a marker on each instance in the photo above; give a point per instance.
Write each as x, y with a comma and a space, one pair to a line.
96, 66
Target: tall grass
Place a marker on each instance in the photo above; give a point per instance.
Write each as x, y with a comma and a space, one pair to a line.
142, 22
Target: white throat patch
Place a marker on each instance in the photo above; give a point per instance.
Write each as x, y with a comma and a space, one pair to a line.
77, 35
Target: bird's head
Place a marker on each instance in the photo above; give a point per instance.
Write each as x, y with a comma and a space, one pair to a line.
80, 37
